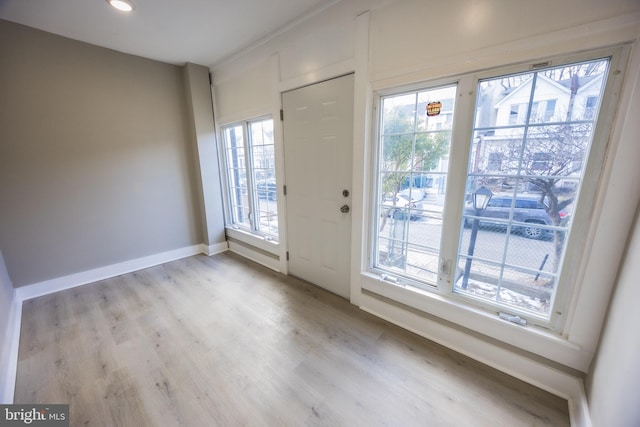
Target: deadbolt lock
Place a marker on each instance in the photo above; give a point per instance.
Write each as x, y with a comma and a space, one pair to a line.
345, 193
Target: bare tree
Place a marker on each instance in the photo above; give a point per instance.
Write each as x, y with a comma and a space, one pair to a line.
550, 157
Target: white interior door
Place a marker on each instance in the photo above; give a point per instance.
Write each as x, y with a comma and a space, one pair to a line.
318, 146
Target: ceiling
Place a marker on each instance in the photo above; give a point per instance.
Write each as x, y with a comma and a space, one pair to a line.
175, 31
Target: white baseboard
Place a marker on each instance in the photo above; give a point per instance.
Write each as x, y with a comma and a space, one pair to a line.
256, 256
9, 352
85, 277
215, 249
579, 407
535, 372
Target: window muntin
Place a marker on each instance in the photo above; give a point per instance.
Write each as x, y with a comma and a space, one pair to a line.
517, 255
251, 178
264, 174
411, 182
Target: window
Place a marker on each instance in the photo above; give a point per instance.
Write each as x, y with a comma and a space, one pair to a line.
518, 113
513, 257
412, 182
550, 110
527, 155
251, 177
534, 116
591, 107
495, 161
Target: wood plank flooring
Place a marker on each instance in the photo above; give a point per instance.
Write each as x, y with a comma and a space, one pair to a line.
220, 341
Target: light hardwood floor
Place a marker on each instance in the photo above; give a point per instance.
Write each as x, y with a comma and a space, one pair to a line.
220, 341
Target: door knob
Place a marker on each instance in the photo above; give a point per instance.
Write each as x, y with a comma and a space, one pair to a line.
344, 208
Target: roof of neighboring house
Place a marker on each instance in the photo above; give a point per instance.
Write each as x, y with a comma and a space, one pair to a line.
526, 85
563, 85
584, 82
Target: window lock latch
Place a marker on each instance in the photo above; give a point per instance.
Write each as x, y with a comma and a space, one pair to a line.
388, 278
513, 318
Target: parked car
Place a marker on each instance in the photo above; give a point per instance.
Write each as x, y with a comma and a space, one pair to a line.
267, 189
399, 208
413, 193
527, 209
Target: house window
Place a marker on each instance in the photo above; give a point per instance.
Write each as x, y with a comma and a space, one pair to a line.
515, 258
591, 106
550, 110
495, 161
251, 177
510, 255
534, 116
518, 113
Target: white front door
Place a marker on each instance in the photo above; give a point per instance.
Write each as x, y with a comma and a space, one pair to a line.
318, 146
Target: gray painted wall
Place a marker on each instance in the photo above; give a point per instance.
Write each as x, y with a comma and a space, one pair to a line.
203, 134
96, 165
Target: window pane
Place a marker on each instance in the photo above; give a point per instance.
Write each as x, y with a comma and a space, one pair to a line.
412, 178
264, 173
237, 176
398, 114
532, 134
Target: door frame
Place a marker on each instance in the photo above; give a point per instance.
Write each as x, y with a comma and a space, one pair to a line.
284, 228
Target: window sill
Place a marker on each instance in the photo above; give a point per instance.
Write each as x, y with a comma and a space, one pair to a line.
255, 240
528, 338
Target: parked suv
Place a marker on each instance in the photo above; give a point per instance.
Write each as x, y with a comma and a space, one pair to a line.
527, 209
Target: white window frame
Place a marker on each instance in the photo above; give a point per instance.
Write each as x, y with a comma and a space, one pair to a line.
442, 296
265, 241
376, 193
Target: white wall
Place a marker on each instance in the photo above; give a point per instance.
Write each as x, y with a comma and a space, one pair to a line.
410, 41
613, 383
419, 35
244, 85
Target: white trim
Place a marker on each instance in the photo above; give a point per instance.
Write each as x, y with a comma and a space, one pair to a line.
278, 140
9, 354
529, 338
47, 287
269, 37
255, 240
253, 255
240, 117
215, 248
362, 113
537, 373
326, 73
579, 407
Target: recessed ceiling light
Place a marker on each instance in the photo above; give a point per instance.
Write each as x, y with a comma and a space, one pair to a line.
123, 5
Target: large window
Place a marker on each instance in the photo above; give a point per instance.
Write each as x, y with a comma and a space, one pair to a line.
530, 139
511, 251
415, 136
251, 177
